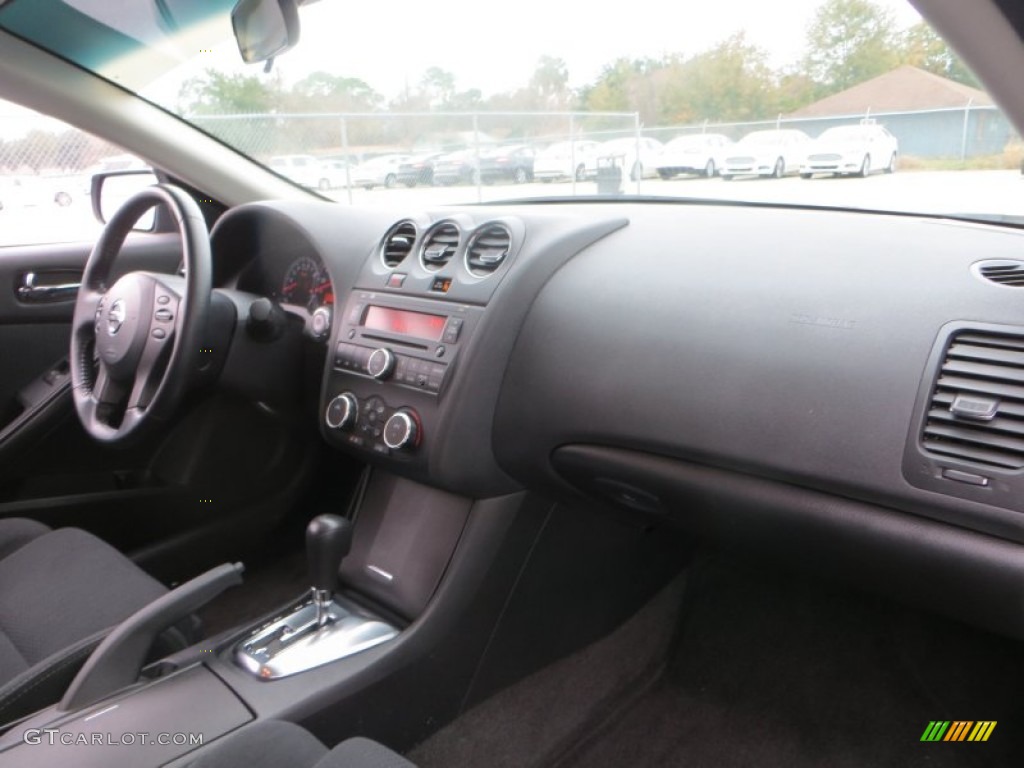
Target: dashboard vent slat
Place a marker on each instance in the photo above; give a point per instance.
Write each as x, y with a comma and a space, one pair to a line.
1003, 272
398, 243
439, 245
976, 408
488, 249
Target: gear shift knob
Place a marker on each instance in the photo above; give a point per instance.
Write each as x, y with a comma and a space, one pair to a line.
328, 540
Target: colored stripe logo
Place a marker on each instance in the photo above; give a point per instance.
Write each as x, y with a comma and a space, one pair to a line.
958, 730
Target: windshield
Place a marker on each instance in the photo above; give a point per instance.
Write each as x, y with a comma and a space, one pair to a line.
577, 101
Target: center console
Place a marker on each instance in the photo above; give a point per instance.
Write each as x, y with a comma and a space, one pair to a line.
392, 360
405, 331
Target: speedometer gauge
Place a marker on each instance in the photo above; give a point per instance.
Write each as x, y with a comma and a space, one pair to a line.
306, 284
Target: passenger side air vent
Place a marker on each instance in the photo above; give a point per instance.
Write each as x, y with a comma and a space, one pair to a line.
439, 245
398, 243
1002, 271
488, 250
976, 411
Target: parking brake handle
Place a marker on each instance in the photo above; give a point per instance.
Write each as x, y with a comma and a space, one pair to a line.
117, 661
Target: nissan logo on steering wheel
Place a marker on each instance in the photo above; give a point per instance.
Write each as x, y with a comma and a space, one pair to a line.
116, 316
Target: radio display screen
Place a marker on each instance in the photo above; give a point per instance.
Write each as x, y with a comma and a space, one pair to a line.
417, 324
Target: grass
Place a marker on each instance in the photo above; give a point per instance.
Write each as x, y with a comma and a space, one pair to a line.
1009, 159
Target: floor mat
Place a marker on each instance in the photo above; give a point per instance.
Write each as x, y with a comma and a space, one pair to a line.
539, 717
773, 671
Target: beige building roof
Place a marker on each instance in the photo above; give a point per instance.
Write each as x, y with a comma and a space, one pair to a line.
905, 88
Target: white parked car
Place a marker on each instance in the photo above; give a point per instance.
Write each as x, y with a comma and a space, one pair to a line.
624, 153
772, 153
700, 153
566, 159
851, 149
305, 170
379, 172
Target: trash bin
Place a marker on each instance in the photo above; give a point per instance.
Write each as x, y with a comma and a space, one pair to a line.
609, 175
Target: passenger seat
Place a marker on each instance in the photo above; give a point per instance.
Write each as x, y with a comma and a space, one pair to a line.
276, 743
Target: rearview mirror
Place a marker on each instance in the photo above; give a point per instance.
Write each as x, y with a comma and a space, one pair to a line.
265, 28
112, 190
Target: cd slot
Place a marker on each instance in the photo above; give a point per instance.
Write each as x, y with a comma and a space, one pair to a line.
395, 340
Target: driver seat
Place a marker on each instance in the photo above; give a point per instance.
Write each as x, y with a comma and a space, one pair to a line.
61, 592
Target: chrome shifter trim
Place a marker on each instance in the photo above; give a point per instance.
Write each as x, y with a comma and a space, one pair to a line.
322, 601
299, 641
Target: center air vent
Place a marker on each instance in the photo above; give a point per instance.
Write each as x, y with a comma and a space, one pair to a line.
488, 250
976, 411
397, 243
1002, 271
439, 245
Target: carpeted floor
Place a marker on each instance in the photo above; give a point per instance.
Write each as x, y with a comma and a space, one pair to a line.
777, 671
766, 670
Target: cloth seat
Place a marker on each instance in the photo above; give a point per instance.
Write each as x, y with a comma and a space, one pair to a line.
61, 591
276, 743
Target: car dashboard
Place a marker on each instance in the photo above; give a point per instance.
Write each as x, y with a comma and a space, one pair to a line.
840, 390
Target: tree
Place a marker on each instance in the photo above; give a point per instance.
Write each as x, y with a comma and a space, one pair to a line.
922, 47
439, 87
215, 93
549, 84
625, 85
731, 81
848, 42
325, 92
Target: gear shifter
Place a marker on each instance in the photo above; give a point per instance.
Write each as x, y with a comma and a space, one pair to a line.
328, 540
318, 631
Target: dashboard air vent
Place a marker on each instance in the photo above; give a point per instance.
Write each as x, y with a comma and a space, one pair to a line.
488, 250
976, 411
439, 245
398, 243
1003, 271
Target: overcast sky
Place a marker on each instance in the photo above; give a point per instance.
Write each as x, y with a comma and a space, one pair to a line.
495, 47
385, 44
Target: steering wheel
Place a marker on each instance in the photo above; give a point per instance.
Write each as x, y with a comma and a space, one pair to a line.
134, 344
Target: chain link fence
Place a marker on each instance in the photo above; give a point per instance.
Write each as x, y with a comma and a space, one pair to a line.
46, 167
952, 133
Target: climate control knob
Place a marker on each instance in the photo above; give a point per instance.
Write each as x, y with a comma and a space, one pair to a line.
402, 430
342, 411
381, 363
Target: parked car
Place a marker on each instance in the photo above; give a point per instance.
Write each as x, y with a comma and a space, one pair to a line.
306, 170
565, 160
380, 171
638, 158
509, 164
773, 154
418, 169
851, 150
700, 153
459, 167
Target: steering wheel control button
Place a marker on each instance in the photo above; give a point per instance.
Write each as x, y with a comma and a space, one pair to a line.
381, 363
164, 315
159, 333
402, 430
163, 299
342, 411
